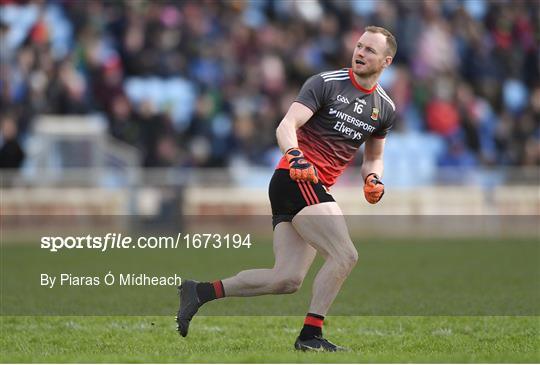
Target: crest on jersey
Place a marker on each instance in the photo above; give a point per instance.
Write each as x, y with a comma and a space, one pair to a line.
375, 114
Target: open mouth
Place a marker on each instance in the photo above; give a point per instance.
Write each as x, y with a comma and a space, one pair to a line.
359, 62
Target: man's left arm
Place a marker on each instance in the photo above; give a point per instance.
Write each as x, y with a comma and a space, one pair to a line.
373, 166
372, 169
373, 157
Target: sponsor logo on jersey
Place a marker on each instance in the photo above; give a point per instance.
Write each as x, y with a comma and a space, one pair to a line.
352, 120
343, 99
347, 131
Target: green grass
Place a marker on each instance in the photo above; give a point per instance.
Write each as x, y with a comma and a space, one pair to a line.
397, 277
269, 339
422, 301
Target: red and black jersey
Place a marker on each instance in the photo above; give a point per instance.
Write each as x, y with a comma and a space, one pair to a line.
345, 116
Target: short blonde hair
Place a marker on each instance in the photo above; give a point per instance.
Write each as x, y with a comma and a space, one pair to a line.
391, 43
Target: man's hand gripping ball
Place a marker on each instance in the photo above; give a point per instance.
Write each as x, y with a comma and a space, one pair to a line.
300, 169
373, 188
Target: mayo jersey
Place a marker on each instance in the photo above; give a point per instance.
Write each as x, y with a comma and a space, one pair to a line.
345, 116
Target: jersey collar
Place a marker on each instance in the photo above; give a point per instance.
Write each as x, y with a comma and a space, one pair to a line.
358, 86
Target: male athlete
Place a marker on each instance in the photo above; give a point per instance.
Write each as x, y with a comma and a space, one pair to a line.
334, 113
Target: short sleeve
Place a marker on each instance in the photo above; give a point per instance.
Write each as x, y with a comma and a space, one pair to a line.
386, 125
312, 93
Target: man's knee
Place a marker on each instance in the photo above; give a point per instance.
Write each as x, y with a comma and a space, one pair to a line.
346, 260
287, 285
351, 258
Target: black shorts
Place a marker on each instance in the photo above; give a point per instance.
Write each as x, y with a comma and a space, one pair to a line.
288, 197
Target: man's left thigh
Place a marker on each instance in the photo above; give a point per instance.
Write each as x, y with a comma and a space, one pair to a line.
324, 227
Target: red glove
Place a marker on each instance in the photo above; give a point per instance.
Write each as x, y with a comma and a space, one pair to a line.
373, 188
300, 169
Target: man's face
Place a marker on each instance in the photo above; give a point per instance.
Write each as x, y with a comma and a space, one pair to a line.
369, 56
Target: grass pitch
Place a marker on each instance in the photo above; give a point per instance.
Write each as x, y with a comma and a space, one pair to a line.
417, 301
269, 339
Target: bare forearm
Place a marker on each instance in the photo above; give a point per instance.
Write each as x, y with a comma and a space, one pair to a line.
297, 116
372, 166
286, 135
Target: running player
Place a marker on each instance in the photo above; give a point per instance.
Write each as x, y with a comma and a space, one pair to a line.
334, 113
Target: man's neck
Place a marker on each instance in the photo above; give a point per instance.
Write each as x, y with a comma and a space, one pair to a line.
367, 82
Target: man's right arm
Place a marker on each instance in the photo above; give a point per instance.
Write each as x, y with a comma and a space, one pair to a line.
297, 115
299, 168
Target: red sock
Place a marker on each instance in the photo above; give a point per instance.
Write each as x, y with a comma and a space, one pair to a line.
210, 291
218, 288
312, 326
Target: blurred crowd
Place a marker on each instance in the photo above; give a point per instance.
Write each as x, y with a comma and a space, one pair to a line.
205, 83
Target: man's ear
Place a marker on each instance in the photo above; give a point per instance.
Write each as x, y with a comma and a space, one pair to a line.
387, 61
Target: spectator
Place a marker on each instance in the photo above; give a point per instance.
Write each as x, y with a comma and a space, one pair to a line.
207, 79
11, 152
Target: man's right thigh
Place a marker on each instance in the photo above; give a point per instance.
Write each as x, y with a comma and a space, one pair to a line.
292, 254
